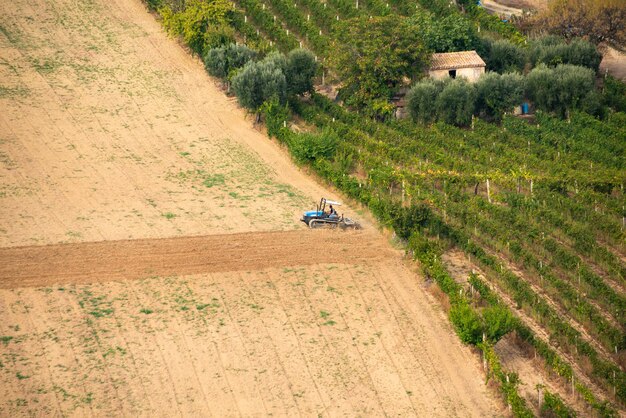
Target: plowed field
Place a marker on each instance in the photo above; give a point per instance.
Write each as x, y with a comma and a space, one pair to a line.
131, 259
151, 258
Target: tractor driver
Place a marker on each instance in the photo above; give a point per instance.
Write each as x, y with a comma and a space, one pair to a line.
333, 212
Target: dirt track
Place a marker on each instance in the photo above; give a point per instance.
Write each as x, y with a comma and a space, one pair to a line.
104, 261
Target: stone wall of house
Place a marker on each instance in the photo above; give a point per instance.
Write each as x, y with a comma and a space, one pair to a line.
472, 74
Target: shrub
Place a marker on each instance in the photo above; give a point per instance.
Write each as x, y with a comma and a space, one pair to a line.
308, 147
505, 56
275, 115
421, 99
455, 103
258, 82
222, 61
301, 68
201, 24
498, 322
497, 94
467, 323
614, 92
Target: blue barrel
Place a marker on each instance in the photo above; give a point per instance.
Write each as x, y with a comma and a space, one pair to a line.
524, 108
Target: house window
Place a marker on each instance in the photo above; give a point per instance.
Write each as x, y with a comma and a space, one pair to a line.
452, 73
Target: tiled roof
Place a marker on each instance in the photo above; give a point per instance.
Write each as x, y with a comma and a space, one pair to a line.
452, 60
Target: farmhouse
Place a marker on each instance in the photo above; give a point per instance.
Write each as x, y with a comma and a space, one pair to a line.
466, 64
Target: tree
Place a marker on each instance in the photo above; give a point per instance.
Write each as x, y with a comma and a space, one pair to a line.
300, 71
373, 56
553, 50
497, 94
222, 61
451, 33
422, 97
505, 56
597, 20
455, 103
561, 89
258, 82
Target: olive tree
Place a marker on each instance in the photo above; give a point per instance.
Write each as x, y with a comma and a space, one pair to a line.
221, 61
455, 103
504, 56
497, 94
559, 89
300, 71
421, 99
258, 82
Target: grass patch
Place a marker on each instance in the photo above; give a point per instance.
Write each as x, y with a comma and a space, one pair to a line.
21, 376
213, 180
146, 311
13, 92
5, 339
101, 313
168, 215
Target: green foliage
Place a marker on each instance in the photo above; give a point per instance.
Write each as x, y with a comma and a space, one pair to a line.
201, 24
497, 94
300, 71
372, 56
553, 406
561, 89
504, 56
223, 60
258, 82
614, 92
467, 323
553, 50
455, 104
451, 33
309, 147
498, 322
275, 116
380, 109
421, 99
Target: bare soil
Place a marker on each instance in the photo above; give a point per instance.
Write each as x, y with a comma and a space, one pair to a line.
613, 63
330, 339
149, 263
110, 130
131, 259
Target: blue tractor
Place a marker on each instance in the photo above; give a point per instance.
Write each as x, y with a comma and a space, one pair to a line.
326, 215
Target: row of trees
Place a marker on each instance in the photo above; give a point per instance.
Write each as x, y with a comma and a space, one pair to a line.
560, 90
504, 56
255, 82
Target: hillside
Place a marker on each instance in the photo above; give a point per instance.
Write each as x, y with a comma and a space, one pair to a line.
520, 221
153, 263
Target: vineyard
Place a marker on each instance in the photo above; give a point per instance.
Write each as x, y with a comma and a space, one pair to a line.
537, 208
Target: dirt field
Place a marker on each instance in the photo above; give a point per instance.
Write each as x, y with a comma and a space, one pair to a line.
133, 259
330, 339
94, 146
151, 258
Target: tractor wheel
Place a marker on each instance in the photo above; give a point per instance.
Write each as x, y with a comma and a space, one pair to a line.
313, 224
